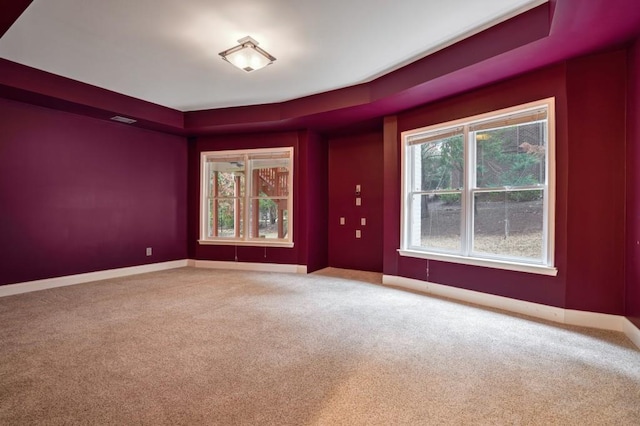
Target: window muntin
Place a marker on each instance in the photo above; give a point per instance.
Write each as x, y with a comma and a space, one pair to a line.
247, 197
480, 188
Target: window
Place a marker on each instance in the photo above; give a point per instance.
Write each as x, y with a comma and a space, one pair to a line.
481, 190
247, 197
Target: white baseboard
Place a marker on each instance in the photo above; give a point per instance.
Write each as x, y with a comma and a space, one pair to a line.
25, 287
250, 266
594, 320
537, 310
632, 332
550, 313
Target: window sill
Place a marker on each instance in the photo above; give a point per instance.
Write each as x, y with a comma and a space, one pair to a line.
488, 263
247, 243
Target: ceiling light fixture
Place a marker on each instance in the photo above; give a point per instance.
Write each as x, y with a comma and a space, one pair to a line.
247, 55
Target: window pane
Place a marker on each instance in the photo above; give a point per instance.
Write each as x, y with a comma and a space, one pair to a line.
435, 221
229, 219
270, 181
246, 194
511, 156
509, 224
227, 178
269, 218
513, 119
439, 164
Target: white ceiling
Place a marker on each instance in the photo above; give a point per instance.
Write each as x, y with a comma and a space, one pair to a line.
166, 51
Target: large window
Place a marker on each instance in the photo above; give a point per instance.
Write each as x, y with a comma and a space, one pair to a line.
247, 197
481, 190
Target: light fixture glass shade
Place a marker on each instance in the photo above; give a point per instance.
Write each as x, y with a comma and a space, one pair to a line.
247, 56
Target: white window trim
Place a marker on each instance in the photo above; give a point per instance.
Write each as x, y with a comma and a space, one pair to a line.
246, 240
545, 268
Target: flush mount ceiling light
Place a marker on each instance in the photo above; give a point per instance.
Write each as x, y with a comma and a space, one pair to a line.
247, 55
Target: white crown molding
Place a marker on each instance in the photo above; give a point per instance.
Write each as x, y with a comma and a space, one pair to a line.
550, 313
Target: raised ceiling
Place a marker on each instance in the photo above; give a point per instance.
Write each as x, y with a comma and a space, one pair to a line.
166, 51
550, 33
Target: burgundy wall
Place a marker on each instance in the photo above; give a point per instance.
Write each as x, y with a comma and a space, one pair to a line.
632, 308
317, 193
80, 195
391, 196
25, 84
309, 164
590, 135
356, 160
531, 287
596, 87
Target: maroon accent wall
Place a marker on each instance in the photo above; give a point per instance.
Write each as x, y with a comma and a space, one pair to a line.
353, 160
80, 195
632, 299
309, 199
596, 87
391, 196
535, 288
316, 184
26, 84
590, 143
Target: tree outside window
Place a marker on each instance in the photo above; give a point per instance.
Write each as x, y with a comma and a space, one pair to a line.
479, 187
246, 197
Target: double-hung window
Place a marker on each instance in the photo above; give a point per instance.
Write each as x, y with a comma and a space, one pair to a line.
481, 190
247, 197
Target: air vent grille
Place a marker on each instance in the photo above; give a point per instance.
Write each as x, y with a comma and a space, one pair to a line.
123, 119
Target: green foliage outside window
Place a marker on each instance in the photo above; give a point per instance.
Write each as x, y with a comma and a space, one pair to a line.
500, 162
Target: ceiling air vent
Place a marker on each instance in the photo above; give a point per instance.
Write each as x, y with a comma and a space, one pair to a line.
123, 119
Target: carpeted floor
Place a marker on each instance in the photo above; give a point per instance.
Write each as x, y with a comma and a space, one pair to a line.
197, 346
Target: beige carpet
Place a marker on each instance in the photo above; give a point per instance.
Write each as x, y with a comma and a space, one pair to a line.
196, 346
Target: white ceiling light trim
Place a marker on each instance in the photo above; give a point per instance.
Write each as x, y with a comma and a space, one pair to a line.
247, 55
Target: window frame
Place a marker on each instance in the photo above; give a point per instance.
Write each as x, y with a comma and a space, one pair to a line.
246, 239
467, 256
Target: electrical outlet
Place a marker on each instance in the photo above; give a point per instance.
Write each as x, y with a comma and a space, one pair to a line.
149, 251
363, 221
342, 221
358, 233
358, 201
